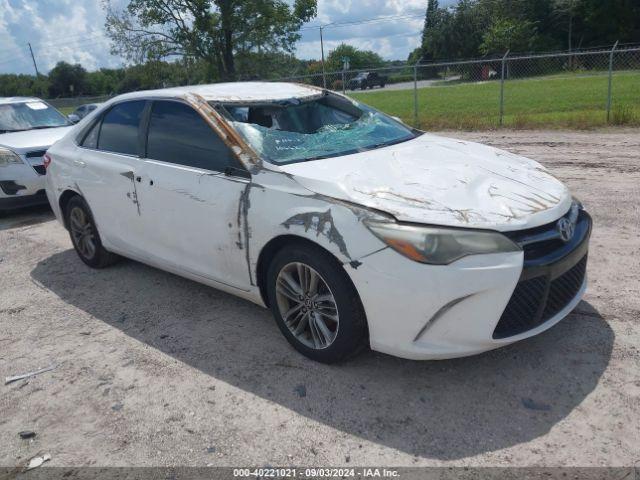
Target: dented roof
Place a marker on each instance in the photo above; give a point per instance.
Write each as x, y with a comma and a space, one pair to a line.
237, 92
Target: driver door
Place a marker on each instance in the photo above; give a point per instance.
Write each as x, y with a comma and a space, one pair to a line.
189, 206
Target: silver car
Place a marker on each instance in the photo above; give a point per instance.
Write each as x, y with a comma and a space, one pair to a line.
28, 127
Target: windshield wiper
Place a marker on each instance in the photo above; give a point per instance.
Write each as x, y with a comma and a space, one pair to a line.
385, 144
331, 155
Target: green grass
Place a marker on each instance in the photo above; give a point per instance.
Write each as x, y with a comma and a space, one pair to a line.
543, 102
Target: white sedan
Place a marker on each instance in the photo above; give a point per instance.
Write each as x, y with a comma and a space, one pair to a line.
353, 228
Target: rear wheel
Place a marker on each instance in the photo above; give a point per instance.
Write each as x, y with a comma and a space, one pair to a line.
315, 304
84, 235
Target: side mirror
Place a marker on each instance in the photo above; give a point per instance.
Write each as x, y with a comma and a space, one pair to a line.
73, 118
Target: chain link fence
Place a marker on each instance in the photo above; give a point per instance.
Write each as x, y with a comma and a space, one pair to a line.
579, 89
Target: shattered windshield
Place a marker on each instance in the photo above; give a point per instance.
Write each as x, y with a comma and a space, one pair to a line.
310, 130
17, 117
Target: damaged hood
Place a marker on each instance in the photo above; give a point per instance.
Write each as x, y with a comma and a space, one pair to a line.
441, 181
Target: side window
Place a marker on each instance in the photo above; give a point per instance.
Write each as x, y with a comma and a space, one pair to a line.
91, 137
178, 134
119, 132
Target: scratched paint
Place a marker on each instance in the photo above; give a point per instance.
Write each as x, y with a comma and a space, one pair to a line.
322, 223
133, 196
244, 231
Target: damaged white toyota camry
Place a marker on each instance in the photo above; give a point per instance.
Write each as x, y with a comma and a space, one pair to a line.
353, 228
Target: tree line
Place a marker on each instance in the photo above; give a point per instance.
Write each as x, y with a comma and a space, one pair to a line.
67, 80
475, 28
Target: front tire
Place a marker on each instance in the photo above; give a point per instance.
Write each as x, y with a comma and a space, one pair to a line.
315, 305
84, 235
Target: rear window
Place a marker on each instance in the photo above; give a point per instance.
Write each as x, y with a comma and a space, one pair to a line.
91, 138
119, 132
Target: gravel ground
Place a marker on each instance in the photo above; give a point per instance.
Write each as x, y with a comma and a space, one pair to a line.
155, 370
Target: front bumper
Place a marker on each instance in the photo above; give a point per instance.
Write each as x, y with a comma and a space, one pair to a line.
20, 186
425, 312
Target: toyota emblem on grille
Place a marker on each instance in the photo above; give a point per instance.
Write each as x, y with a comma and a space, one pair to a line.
566, 229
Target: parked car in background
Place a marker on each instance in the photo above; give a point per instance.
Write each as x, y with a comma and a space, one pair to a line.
28, 126
82, 111
353, 228
366, 80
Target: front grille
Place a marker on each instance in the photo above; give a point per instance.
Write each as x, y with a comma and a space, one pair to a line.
40, 170
564, 288
538, 299
523, 308
540, 242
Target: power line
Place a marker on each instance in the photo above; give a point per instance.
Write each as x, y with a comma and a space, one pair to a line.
88, 34
50, 45
363, 21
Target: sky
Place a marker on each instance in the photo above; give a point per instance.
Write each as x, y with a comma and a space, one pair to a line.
73, 31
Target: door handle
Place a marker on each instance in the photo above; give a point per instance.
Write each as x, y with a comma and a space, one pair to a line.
79, 163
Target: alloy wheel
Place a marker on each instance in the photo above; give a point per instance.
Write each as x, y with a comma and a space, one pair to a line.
307, 305
82, 232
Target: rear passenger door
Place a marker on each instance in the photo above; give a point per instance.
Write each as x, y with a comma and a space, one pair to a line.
105, 168
189, 204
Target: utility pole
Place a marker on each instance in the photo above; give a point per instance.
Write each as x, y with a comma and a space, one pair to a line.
35, 65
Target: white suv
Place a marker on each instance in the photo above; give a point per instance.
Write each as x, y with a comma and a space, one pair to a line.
28, 127
354, 228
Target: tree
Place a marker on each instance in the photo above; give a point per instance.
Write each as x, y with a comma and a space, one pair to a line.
454, 32
358, 59
507, 34
104, 81
430, 23
215, 31
415, 56
21, 85
67, 80
605, 21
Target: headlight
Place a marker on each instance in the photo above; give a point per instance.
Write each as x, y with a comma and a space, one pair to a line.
7, 157
439, 246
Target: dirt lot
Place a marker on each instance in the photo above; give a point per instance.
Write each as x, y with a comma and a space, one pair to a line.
153, 369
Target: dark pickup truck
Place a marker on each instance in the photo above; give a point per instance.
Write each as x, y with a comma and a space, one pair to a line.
366, 80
